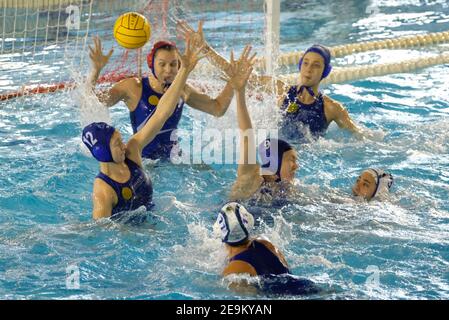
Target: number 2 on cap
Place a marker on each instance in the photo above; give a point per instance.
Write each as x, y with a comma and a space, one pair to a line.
89, 139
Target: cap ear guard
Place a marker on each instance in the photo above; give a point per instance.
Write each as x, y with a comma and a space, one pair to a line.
268, 157
222, 223
384, 181
327, 71
271, 152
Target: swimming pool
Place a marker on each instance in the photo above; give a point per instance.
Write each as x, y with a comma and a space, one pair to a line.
379, 250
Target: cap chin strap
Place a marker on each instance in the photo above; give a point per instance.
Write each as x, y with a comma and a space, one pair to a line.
165, 85
309, 90
380, 177
377, 182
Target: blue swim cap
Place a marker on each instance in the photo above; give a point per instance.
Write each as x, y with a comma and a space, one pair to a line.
97, 136
325, 53
271, 152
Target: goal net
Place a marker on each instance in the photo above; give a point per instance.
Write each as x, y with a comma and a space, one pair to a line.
44, 43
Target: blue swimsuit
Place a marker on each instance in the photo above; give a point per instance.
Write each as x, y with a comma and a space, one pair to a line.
161, 146
136, 192
296, 114
265, 197
261, 259
275, 277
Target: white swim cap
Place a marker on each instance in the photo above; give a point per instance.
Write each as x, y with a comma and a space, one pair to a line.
383, 180
234, 224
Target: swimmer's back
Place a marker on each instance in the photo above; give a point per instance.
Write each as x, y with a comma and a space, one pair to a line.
262, 258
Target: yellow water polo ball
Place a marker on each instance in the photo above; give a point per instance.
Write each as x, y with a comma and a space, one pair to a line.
132, 30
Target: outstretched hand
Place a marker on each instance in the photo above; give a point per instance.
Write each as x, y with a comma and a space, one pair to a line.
197, 37
238, 72
96, 55
191, 55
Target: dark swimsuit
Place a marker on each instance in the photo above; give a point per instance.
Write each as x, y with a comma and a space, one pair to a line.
136, 192
261, 259
162, 144
275, 278
297, 115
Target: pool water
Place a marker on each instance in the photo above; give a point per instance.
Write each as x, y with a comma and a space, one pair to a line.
396, 249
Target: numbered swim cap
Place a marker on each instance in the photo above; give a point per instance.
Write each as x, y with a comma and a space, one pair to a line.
270, 153
97, 136
325, 53
384, 181
234, 224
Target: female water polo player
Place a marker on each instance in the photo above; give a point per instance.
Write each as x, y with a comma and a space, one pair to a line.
246, 255
304, 107
373, 184
122, 184
255, 256
279, 158
142, 96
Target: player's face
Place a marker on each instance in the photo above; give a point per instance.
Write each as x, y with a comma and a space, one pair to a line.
166, 65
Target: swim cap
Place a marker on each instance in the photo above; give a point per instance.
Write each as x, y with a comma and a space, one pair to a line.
271, 152
97, 136
168, 45
322, 51
383, 180
234, 224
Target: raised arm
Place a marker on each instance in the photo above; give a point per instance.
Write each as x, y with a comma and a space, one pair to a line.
238, 74
198, 37
118, 91
248, 173
195, 99
167, 103
213, 106
255, 81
